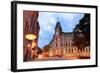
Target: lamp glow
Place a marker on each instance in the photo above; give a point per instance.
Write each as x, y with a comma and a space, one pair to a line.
30, 36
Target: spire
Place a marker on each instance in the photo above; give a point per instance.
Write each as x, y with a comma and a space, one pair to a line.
58, 28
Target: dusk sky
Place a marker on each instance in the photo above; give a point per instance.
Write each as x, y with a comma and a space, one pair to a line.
47, 23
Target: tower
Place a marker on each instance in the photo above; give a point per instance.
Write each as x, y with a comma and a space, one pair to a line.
57, 35
57, 40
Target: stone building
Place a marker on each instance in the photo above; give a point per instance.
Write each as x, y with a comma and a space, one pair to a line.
61, 41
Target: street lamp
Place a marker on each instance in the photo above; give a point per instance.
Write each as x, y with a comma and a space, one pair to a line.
30, 36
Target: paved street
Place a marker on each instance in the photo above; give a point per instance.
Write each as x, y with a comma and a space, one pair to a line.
54, 58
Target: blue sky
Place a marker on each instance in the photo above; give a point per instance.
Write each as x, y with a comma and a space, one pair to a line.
47, 23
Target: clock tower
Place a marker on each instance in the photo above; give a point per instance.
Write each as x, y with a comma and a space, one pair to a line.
57, 40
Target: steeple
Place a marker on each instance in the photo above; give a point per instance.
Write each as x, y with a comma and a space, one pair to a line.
58, 28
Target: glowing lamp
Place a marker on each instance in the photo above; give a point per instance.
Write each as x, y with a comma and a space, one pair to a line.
30, 36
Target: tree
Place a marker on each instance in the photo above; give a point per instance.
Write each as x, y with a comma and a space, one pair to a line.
82, 32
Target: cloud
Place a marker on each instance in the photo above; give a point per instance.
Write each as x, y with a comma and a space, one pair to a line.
46, 19
69, 20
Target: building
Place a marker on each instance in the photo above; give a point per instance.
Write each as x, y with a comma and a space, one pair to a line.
62, 45
30, 27
60, 42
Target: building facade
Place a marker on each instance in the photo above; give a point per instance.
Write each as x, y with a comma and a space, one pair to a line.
30, 27
61, 41
62, 44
